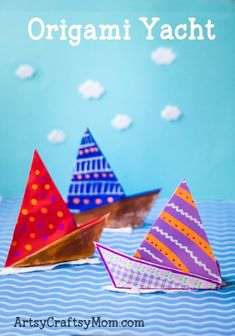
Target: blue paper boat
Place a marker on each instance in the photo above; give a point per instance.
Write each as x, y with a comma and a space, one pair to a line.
95, 190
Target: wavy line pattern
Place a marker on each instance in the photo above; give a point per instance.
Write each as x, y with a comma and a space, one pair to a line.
149, 253
77, 290
184, 213
196, 260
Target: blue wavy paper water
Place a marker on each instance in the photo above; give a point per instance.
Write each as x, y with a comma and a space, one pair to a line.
77, 291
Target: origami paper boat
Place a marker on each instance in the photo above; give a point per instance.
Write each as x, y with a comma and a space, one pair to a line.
46, 232
174, 255
95, 190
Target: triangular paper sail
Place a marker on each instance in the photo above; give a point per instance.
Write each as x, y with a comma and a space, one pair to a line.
93, 183
43, 217
46, 231
177, 239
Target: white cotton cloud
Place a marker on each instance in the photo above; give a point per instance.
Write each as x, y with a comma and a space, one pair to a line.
56, 136
171, 113
121, 122
163, 56
91, 89
25, 71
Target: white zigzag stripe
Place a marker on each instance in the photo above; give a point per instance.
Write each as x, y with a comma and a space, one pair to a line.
150, 253
174, 206
198, 262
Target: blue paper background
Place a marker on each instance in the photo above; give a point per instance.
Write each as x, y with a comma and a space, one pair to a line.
153, 153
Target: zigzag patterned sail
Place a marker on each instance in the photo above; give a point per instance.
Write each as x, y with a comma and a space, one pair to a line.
177, 239
93, 182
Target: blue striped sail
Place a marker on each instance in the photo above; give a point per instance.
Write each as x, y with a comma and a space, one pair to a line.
93, 183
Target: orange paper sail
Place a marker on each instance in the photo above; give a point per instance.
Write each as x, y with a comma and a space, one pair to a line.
43, 220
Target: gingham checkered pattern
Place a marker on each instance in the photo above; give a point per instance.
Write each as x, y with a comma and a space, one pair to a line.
142, 280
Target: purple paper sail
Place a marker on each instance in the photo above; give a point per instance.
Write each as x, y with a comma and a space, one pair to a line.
174, 255
93, 182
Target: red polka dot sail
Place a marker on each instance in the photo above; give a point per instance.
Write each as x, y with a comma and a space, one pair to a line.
43, 218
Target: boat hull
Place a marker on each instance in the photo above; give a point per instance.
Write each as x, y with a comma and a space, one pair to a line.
128, 212
131, 273
76, 245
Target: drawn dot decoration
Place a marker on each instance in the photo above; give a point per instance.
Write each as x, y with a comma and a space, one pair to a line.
24, 212
110, 199
79, 176
87, 176
53, 198
96, 175
61, 226
32, 235
28, 247
60, 214
32, 219
47, 186
44, 236
14, 243
51, 226
44, 210
76, 200
34, 201
98, 201
37, 172
86, 201
34, 186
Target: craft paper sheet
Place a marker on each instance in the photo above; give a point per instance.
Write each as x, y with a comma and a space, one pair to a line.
175, 253
177, 238
93, 183
43, 217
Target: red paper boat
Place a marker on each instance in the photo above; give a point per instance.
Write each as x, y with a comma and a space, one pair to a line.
95, 190
46, 232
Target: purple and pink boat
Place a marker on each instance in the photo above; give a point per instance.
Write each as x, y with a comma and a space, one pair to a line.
174, 255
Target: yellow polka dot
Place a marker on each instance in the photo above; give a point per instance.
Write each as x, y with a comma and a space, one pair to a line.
28, 247
24, 212
44, 210
32, 235
51, 226
34, 186
60, 214
32, 219
110, 199
14, 243
37, 172
76, 200
34, 201
47, 186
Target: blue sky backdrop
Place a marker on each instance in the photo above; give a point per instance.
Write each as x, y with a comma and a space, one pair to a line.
153, 152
